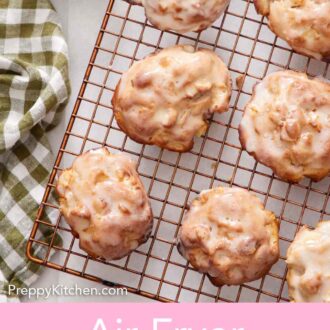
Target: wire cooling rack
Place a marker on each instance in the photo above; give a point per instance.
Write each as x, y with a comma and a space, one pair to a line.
156, 270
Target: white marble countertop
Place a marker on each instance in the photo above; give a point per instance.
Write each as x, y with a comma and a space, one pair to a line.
81, 20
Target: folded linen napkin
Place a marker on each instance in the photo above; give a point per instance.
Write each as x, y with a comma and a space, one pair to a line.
34, 88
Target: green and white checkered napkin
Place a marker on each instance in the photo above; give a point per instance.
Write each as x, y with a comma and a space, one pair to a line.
34, 88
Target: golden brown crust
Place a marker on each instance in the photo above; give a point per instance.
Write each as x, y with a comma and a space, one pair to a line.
308, 260
183, 16
303, 24
285, 102
96, 194
167, 98
121, 124
262, 7
228, 235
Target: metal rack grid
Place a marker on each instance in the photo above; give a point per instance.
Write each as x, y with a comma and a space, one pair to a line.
156, 270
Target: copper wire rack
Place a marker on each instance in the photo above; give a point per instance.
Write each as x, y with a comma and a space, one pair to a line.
156, 270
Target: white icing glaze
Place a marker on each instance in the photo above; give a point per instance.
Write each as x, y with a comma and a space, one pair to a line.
105, 204
308, 261
304, 24
286, 125
167, 98
228, 235
183, 15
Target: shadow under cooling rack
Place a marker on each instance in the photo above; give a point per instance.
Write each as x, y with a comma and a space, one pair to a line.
156, 270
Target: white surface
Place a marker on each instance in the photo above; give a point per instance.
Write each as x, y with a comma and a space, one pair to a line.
81, 20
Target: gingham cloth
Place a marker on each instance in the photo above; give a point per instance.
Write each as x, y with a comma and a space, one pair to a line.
34, 88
